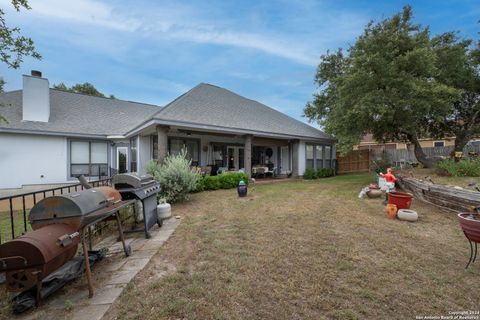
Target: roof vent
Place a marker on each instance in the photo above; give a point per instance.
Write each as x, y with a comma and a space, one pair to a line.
36, 73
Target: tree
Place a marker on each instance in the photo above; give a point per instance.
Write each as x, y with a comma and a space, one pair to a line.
386, 85
13, 46
460, 69
84, 88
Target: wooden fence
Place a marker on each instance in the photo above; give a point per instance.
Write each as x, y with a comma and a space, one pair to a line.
355, 161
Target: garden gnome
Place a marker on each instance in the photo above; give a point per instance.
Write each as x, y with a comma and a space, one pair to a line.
390, 182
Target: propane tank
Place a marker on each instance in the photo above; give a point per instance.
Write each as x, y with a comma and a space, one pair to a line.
164, 210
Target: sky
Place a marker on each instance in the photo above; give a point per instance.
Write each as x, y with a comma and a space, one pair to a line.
154, 51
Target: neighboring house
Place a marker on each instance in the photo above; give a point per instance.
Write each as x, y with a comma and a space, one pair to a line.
368, 142
54, 136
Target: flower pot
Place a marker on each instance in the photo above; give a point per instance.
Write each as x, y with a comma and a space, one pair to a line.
374, 193
401, 199
391, 211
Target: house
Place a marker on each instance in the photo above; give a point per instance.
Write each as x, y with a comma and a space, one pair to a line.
54, 136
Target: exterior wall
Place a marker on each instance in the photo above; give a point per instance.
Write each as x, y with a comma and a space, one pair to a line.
32, 159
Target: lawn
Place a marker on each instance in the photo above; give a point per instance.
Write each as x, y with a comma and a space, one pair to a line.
303, 250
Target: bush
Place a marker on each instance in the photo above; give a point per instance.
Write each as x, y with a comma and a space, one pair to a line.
309, 174
230, 180
462, 168
325, 172
226, 180
211, 183
177, 179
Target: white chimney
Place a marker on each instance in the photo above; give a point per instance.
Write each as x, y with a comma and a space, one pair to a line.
36, 97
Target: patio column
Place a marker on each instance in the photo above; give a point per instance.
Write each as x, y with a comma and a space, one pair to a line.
162, 143
295, 154
248, 155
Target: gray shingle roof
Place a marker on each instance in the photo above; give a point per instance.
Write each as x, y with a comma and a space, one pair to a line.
210, 105
77, 114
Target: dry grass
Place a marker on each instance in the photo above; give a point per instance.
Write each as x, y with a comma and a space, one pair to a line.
303, 250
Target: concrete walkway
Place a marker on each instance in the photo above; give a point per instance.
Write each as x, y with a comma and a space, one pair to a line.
110, 278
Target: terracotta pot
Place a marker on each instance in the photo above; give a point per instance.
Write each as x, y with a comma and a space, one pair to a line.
401, 199
391, 211
374, 193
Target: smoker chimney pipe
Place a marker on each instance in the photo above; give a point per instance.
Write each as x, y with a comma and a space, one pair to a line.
84, 182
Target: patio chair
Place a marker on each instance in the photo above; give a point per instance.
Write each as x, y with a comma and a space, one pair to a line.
271, 172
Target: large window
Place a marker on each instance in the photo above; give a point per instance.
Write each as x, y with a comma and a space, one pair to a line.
310, 157
175, 145
88, 158
328, 156
318, 156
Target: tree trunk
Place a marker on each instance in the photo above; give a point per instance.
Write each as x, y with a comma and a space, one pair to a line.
419, 154
461, 140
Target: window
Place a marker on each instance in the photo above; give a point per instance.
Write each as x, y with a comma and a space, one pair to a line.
133, 154
309, 157
155, 147
439, 144
318, 156
328, 157
218, 152
175, 145
88, 158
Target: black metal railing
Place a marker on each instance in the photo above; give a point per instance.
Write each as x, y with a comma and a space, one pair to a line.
14, 209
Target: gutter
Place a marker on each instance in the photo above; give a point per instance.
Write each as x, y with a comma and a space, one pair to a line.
53, 133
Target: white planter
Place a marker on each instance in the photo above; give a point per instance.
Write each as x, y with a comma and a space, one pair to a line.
407, 215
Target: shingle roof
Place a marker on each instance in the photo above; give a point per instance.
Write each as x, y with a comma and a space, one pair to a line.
78, 114
210, 105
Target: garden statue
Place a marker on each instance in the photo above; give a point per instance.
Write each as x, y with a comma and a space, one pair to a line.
390, 182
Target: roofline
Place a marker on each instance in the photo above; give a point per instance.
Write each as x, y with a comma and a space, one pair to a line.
54, 133
223, 129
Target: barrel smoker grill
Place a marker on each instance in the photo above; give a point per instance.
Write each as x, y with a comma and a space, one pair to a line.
143, 188
59, 224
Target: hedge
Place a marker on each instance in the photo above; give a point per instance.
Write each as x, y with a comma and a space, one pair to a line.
226, 180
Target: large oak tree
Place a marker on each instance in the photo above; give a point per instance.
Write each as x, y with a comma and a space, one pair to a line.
385, 84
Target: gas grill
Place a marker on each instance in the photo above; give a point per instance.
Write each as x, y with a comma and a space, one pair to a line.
143, 188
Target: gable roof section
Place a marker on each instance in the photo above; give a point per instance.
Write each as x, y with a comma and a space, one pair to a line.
209, 105
76, 115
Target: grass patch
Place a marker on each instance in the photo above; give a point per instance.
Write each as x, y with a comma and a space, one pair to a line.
304, 250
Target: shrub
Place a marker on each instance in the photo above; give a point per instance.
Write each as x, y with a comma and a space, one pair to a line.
325, 172
211, 183
230, 180
462, 168
177, 179
309, 174
226, 180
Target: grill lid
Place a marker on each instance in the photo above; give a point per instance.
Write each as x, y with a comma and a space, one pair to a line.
132, 180
71, 208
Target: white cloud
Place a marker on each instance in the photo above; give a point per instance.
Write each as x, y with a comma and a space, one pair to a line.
182, 22
89, 12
